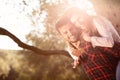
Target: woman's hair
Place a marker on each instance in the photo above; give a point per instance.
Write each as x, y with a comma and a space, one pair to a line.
66, 17
74, 11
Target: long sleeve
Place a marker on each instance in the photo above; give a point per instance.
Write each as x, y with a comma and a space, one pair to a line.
70, 50
73, 56
74, 52
112, 29
105, 39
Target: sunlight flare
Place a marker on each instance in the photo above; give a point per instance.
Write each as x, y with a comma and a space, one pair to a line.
85, 5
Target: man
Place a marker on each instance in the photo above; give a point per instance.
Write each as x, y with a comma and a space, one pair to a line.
92, 41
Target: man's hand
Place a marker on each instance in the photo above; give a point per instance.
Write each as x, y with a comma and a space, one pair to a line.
76, 62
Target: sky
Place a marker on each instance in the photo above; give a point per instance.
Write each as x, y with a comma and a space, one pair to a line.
14, 16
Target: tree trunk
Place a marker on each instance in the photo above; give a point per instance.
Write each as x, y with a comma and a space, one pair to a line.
32, 48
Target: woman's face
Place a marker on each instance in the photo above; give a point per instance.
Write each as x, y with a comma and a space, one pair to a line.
80, 20
70, 32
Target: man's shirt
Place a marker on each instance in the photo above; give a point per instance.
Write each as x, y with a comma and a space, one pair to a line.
100, 63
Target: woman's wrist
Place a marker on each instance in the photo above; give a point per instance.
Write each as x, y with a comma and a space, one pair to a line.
87, 38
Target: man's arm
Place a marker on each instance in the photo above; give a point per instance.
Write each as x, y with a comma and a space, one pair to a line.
74, 54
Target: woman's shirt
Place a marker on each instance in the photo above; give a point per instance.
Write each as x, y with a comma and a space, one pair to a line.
107, 32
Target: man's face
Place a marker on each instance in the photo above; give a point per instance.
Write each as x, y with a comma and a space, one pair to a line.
70, 32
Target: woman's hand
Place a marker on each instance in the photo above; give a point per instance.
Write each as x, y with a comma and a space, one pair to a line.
87, 37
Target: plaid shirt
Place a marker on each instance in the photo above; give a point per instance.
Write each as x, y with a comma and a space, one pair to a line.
100, 63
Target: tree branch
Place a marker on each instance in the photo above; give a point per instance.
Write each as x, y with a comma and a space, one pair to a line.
32, 48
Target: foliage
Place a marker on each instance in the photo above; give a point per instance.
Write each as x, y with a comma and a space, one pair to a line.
27, 65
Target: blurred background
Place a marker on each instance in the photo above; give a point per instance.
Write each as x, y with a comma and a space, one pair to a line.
33, 22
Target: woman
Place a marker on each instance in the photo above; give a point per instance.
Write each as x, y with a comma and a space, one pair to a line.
107, 27
92, 40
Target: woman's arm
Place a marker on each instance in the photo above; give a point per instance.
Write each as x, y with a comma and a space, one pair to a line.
105, 39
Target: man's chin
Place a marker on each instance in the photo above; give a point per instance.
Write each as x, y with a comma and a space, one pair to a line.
73, 41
